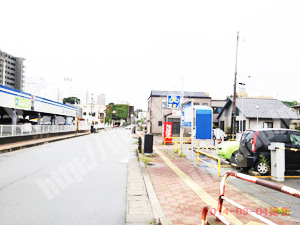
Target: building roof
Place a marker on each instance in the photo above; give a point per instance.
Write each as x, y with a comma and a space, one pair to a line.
187, 94
268, 108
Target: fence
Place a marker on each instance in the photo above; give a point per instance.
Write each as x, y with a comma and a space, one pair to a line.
217, 212
28, 129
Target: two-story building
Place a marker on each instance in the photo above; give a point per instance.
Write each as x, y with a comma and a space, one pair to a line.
158, 112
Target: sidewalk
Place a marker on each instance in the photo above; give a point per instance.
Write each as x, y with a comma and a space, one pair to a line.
143, 206
22, 144
183, 190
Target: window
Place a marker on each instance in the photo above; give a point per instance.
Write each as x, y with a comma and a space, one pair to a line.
268, 124
237, 127
159, 123
217, 110
222, 125
243, 125
196, 103
84, 113
205, 104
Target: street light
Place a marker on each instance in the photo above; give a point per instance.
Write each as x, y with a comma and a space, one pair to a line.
243, 88
257, 107
3, 76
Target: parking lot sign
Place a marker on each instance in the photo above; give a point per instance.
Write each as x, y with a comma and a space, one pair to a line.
187, 115
174, 101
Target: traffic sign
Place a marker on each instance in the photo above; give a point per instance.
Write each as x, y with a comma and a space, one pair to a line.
174, 101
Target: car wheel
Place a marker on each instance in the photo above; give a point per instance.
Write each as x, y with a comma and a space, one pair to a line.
262, 168
233, 159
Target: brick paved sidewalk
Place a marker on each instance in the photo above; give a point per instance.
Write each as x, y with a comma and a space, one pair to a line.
182, 204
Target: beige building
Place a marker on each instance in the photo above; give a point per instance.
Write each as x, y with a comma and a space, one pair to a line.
157, 114
94, 114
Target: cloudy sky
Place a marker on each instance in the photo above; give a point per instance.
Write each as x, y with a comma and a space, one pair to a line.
126, 48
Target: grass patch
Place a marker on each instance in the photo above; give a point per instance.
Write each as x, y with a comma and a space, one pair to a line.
280, 210
146, 160
182, 155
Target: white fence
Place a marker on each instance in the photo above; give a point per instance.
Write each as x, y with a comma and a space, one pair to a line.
28, 129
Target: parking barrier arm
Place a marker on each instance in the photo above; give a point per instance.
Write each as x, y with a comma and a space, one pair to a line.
213, 211
274, 186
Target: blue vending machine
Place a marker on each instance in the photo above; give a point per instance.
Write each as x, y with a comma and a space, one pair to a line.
204, 119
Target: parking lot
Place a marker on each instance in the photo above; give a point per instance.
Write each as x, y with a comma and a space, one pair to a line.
265, 197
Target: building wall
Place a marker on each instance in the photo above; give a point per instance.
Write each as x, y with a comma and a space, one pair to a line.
250, 123
101, 99
155, 112
13, 71
217, 105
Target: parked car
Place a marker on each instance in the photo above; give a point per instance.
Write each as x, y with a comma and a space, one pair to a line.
219, 134
253, 149
228, 150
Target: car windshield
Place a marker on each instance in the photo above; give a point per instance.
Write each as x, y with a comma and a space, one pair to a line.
295, 139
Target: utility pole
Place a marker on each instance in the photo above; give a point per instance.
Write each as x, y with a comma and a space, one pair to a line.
233, 115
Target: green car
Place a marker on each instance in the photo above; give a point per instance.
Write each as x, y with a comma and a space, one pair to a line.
228, 150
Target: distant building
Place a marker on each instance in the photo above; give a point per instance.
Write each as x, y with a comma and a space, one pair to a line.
93, 114
38, 86
101, 99
217, 106
14, 71
142, 115
34, 85
271, 113
69, 90
156, 115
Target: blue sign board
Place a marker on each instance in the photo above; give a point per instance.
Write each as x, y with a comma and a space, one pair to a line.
187, 115
204, 123
174, 101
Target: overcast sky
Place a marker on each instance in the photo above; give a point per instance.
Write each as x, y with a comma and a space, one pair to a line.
125, 49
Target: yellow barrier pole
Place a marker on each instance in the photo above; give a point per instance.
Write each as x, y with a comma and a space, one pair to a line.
174, 143
198, 158
178, 149
219, 167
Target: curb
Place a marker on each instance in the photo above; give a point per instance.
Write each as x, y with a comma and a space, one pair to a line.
157, 209
17, 146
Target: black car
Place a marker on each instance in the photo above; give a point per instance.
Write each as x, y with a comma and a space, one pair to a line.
253, 150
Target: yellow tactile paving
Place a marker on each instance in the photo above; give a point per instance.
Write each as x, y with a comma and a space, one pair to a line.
195, 187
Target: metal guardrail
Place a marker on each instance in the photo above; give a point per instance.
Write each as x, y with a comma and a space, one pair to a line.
175, 138
211, 156
28, 129
217, 212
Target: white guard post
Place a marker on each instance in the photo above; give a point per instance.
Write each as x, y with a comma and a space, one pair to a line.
277, 161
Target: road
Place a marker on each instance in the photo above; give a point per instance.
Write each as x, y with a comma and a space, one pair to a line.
76, 181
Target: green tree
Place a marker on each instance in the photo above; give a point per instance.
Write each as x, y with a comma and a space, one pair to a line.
290, 104
71, 100
116, 112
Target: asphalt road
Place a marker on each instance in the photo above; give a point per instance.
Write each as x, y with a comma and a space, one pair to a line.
76, 181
